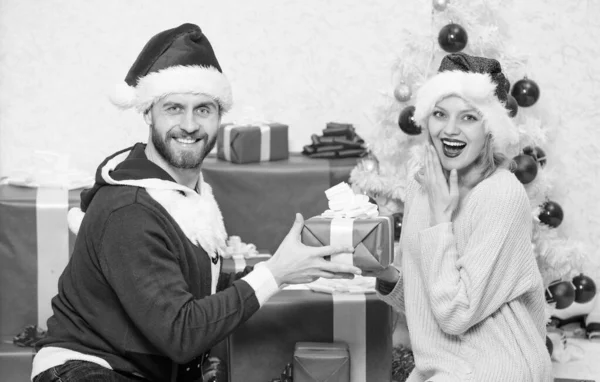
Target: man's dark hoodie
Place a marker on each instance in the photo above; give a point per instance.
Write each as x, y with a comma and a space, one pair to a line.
137, 289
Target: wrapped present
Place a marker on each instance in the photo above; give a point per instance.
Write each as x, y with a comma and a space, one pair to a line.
36, 245
339, 140
321, 362
15, 361
262, 346
238, 255
248, 143
353, 221
259, 200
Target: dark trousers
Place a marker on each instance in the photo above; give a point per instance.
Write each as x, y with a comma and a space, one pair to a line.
75, 371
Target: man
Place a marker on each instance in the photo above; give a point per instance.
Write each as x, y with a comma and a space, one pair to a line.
142, 296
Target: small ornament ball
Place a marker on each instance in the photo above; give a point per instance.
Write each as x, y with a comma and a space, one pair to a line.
407, 122
370, 163
524, 167
526, 92
397, 225
585, 288
552, 214
549, 345
453, 38
440, 5
402, 92
512, 106
536, 153
562, 293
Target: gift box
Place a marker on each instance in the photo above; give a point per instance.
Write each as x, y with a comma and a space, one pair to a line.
371, 238
252, 143
35, 247
321, 362
15, 362
259, 200
260, 348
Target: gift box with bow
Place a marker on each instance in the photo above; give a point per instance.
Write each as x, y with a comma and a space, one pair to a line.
353, 221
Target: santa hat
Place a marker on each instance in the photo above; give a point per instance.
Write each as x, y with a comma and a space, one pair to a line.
178, 60
480, 82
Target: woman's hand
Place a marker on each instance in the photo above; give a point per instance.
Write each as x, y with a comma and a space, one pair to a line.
389, 274
442, 193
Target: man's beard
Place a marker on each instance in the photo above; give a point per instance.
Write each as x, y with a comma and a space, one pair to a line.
185, 159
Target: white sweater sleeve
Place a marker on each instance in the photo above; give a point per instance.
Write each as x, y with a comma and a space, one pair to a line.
496, 266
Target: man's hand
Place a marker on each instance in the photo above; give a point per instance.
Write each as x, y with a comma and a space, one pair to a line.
296, 263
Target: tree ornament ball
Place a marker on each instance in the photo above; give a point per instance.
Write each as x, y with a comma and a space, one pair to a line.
402, 92
407, 123
526, 92
397, 225
512, 106
552, 214
585, 288
524, 168
370, 163
453, 38
562, 293
536, 153
440, 5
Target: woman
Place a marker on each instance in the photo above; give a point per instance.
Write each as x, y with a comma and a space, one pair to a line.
469, 286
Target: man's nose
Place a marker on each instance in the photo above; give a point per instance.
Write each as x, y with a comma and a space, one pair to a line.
189, 124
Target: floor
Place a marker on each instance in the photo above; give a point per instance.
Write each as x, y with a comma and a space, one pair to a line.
588, 367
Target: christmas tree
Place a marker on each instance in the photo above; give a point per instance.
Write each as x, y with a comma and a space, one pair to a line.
475, 28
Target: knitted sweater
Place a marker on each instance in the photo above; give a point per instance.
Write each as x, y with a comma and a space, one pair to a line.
471, 289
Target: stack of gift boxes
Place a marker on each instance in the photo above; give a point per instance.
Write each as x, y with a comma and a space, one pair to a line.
299, 333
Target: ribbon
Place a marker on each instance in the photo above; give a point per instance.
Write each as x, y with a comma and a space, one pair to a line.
265, 140
344, 203
341, 235
52, 246
265, 143
227, 141
350, 326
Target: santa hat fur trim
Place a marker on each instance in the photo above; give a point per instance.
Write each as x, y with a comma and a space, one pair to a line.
478, 90
176, 79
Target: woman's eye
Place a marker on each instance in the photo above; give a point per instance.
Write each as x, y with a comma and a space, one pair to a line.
470, 117
438, 114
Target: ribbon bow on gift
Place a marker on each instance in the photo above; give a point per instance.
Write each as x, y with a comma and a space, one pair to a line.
344, 203
237, 248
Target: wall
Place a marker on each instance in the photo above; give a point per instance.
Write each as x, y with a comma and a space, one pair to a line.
303, 62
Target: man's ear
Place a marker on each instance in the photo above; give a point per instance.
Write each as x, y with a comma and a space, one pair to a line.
148, 117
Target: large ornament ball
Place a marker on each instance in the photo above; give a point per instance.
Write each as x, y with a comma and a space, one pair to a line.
512, 106
536, 153
402, 92
524, 167
397, 225
440, 5
453, 38
552, 214
526, 92
585, 288
407, 123
562, 293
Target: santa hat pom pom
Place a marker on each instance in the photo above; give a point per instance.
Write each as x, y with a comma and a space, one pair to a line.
123, 96
74, 219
